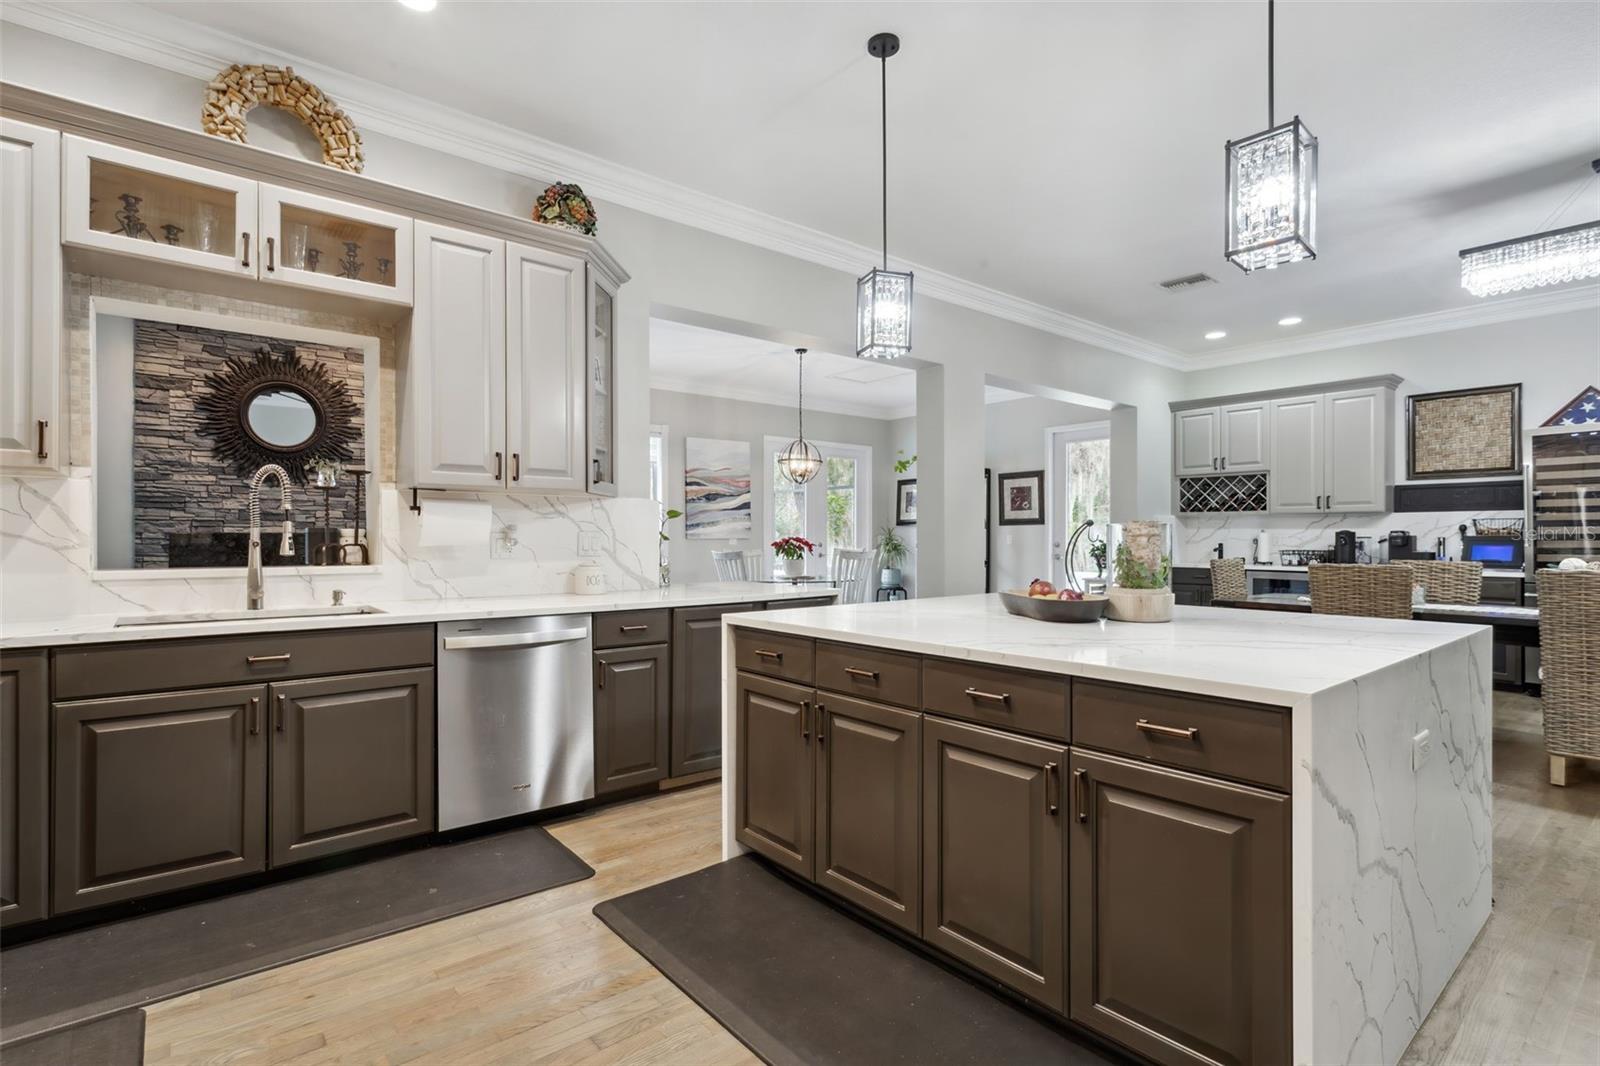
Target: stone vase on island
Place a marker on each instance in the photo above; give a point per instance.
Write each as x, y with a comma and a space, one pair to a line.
1147, 568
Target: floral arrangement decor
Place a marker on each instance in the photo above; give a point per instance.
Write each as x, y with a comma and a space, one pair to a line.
563, 204
793, 551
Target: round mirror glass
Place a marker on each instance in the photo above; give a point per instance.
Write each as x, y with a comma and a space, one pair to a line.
281, 417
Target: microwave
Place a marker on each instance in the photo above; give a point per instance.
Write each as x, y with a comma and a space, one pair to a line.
1494, 552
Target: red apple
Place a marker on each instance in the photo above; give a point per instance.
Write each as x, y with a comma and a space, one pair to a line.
1040, 587
1070, 594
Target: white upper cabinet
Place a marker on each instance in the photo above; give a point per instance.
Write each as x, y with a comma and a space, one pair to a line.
454, 421
1359, 445
317, 242
1295, 484
119, 200
1195, 440
602, 388
545, 380
32, 429
1245, 444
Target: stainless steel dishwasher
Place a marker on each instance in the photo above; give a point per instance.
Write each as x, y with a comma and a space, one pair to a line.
516, 716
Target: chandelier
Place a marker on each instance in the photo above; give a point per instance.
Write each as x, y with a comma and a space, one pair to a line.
1549, 258
1272, 189
800, 460
883, 296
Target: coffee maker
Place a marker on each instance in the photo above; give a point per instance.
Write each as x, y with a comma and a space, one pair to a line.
1344, 546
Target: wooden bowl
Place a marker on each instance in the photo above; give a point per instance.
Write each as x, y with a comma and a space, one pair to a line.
1088, 609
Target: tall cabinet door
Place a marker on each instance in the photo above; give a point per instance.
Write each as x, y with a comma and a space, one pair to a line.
157, 792
697, 687
352, 762
1358, 447
545, 329
1180, 919
458, 351
1245, 438
869, 840
1195, 442
602, 375
24, 788
630, 716
993, 885
774, 808
32, 437
1295, 485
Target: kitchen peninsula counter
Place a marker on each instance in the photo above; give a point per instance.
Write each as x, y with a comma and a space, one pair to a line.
1388, 858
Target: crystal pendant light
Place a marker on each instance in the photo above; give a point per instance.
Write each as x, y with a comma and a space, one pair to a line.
883, 296
800, 460
1272, 189
1549, 258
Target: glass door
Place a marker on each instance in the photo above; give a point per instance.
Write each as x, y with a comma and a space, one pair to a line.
130, 203
320, 243
602, 384
832, 510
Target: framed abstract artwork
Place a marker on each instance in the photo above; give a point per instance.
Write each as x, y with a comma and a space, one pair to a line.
905, 502
1022, 498
1464, 433
716, 489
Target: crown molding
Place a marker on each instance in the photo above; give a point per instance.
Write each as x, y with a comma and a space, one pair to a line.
721, 391
1488, 312
194, 51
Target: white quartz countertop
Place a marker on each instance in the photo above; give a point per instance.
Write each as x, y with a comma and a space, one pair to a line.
97, 629
1264, 656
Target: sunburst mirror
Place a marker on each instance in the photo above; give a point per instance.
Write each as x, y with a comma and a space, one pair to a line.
274, 407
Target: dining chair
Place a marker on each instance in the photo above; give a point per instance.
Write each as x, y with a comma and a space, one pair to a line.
1444, 582
848, 568
733, 565
1569, 666
1228, 580
1367, 591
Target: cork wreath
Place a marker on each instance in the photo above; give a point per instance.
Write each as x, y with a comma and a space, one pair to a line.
232, 93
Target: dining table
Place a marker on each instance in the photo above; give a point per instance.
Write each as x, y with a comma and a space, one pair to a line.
1511, 624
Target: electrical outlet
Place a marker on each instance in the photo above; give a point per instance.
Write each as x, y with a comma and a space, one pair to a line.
591, 543
503, 543
1421, 750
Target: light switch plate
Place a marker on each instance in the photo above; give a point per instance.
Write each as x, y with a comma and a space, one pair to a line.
591, 543
1421, 750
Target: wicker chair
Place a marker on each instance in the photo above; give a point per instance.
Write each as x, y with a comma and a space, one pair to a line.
1447, 582
1360, 589
1569, 641
1227, 580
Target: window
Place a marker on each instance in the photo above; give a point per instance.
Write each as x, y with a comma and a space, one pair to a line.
833, 509
842, 517
788, 506
1089, 492
658, 464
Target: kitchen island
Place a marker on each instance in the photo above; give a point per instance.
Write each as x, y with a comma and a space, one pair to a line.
1240, 836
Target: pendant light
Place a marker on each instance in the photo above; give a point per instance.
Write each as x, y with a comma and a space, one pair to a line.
800, 460
883, 296
1272, 189
1548, 258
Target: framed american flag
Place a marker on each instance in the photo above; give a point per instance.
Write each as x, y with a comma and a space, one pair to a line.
1464, 432
1584, 410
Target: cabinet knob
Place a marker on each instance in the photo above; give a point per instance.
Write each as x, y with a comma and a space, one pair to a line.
516, 466
990, 697
278, 718
255, 716
822, 717
1144, 725
499, 466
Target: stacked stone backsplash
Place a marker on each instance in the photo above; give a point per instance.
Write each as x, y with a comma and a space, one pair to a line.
180, 484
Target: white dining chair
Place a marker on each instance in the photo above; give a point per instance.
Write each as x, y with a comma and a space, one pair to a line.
849, 570
732, 565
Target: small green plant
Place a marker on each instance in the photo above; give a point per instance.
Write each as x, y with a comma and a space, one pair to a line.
1133, 574
1097, 553
667, 516
892, 548
902, 464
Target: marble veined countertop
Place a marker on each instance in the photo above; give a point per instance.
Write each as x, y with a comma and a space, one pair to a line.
1239, 654
98, 629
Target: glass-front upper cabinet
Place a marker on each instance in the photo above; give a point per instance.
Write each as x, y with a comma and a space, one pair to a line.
602, 386
132, 203
321, 243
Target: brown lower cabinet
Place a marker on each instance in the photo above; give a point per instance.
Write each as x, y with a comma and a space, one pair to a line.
351, 762
697, 687
775, 806
994, 869
1180, 925
631, 714
24, 787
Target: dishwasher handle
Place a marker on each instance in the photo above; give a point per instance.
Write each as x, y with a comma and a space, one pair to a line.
515, 640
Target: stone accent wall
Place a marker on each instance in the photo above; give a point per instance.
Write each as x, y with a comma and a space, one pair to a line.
179, 484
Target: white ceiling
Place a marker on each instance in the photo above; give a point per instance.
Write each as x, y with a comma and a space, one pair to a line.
708, 362
1067, 154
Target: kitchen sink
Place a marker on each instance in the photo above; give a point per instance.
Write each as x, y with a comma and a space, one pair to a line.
191, 617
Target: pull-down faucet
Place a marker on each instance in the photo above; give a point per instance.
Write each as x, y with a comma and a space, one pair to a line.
254, 588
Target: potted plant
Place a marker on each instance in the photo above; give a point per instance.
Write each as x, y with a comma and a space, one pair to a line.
792, 551
667, 515
1097, 555
1140, 590
892, 551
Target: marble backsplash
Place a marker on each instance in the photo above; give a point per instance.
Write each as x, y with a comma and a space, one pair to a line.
46, 556
1196, 536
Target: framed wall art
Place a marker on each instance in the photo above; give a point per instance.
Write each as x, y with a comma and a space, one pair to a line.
1464, 433
905, 502
716, 489
1022, 498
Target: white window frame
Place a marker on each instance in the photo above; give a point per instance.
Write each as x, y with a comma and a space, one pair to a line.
1058, 521
861, 453
658, 483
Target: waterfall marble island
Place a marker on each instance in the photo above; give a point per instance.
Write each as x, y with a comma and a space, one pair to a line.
1235, 837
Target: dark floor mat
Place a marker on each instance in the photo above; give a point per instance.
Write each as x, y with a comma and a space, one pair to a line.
86, 973
802, 983
115, 1040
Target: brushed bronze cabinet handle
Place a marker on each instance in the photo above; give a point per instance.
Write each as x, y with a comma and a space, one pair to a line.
257, 660
255, 716
44, 428
632, 629
822, 718
246, 243
866, 675
805, 719
277, 722
499, 466
1052, 788
992, 697
766, 653
599, 673
1144, 725
1080, 793
270, 258
516, 466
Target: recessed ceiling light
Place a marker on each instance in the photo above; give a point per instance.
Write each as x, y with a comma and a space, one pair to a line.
1216, 334
1292, 320
421, 5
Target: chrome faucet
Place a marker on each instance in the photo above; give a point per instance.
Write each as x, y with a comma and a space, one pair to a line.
254, 587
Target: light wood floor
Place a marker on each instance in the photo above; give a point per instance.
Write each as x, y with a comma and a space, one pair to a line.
542, 980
